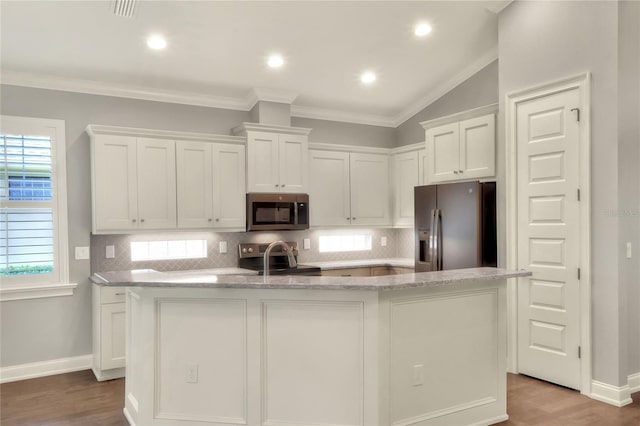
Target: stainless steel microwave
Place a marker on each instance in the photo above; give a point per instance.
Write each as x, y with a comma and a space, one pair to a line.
275, 212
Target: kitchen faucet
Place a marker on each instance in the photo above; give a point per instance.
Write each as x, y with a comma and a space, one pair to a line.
285, 248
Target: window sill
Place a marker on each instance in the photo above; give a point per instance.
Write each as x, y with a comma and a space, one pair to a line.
36, 291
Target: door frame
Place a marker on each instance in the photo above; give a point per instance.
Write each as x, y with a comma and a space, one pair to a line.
581, 82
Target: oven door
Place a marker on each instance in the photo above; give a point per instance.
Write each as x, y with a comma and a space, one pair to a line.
272, 212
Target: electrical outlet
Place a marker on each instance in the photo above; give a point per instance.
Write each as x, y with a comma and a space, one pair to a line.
418, 375
306, 243
192, 373
383, 241
82, 253
110, 252
223, 247
629, 250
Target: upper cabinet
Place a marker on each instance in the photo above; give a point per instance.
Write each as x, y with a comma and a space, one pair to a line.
277, 158
406, 173
146, 180
349, 188
461, 146
134, 183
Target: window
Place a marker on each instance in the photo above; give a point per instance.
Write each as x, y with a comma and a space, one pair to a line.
337, 243
33, 209
165, 250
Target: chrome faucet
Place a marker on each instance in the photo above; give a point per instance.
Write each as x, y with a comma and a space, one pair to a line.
286, 248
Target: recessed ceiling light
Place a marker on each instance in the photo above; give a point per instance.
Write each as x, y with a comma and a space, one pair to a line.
422, 29
275, 61
156, 42
368, 77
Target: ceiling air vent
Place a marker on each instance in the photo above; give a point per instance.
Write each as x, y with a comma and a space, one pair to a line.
124, 8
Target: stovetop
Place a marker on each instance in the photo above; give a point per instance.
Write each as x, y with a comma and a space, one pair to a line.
251, 256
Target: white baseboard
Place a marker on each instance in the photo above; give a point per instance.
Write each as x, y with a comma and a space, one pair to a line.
634, 383
45, 368
128, 417
618, 396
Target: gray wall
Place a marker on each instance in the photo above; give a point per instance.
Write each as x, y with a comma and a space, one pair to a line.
478, 90
540, 42
335, 132
52, 328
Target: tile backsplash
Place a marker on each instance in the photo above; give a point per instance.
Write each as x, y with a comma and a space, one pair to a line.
400, 243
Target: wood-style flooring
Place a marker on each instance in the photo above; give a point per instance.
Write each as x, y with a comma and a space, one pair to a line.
77, 399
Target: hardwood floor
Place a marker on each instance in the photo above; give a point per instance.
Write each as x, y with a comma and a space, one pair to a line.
77, 399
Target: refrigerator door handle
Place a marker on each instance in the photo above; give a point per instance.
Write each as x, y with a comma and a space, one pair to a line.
435, 233
432, 239
439, 239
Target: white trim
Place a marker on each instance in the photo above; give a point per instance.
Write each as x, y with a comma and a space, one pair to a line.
618, 396
45, 368
460, 116
446, 87
348, 148
10, 292
408, 148
256, 127
96, 129
272, 95
497, 8
112, 373
328, 114
583, 83
634, 382
128, 417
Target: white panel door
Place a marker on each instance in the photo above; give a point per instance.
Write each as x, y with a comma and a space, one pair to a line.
115, 183
263, 173
549, 238
370, 201
229, 199
294, 163
329, 195
156, 183
112, 352
423, 167
478, 147
406, 178
443, 151
194, 184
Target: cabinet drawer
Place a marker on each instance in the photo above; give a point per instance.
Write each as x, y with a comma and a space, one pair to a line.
347, 272
112, 294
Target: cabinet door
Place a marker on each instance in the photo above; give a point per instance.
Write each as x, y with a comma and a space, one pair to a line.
477, 147
229, 200
443, 151
369, 189
115, 202
112, 320
294, 167
194, 184
406, 178
329, 196
156, 183
423, 167
262, 162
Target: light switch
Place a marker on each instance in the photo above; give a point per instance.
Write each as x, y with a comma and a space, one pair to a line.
306, 243
383, 241
110, 252
628, 250
418, 375
223, 247
82, 253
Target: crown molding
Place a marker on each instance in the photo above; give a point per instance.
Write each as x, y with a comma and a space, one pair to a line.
271, 95
445, 88
98, 129
257, 127
409, 148
320, 146
341, 116
499, 6
459, 116
50, 82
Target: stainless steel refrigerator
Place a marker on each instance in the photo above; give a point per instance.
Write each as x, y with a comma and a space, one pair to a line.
455, 226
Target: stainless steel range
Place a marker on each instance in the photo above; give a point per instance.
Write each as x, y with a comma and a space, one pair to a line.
252, 255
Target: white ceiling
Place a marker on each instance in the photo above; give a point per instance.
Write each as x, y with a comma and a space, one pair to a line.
217, 51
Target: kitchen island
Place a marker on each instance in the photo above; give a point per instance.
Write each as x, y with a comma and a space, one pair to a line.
412, 349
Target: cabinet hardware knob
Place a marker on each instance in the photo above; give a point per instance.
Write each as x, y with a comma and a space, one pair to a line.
282, 186
348, 218
277, 185
217, 220
455, 172
119, 294
353, 218
141, 220
209, 219
133, 220
461, 171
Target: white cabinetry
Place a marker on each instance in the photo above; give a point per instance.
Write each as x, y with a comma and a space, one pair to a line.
461, 146
134, 183
349, 188
406, 177
108, 332
277, 158
211, 185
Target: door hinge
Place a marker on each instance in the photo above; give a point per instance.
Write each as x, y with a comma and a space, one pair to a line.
578, 273
578, 194
577, 110
579, 352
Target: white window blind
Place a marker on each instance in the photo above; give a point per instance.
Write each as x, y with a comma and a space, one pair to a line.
27, 213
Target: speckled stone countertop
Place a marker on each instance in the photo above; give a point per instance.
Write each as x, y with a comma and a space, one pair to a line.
398, 262
201, 279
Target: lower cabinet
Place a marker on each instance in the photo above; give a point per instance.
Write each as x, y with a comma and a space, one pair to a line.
108, 332
374, 271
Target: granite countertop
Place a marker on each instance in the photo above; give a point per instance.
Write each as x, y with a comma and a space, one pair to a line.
399, 262
203, 279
